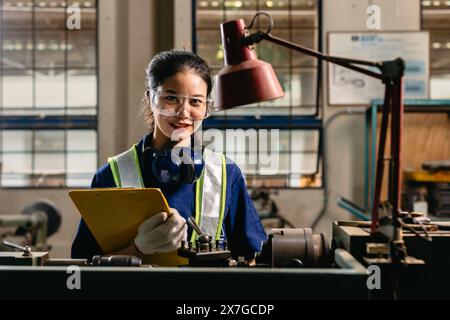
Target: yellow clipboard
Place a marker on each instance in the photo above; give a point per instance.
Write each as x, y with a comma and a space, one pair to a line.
114, 215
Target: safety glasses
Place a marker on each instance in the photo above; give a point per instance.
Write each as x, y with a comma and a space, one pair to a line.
172, 105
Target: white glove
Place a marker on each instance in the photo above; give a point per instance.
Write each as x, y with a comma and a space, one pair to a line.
161, 234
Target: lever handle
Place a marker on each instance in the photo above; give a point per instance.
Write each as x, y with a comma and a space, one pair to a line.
202, 236
26, 250
195, 226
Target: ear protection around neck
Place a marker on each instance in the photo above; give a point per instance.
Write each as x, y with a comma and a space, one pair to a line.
180, 165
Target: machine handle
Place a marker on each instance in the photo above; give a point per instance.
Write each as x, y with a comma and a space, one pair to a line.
26, 250
203, 237
195, 226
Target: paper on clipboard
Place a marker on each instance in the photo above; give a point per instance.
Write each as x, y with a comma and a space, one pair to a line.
114, 215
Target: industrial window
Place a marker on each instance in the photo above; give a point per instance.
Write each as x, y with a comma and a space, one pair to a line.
436, 20
48, 93
297, 115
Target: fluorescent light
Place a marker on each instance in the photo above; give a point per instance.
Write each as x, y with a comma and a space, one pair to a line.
219, 54
436, 45
9, 47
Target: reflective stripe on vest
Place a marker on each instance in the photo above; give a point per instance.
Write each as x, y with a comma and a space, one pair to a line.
210, 195
210, 189
126, 170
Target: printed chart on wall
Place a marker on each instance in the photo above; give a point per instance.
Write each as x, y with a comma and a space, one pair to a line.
347, 87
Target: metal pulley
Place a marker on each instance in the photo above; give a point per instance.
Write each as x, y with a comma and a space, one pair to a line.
295, 248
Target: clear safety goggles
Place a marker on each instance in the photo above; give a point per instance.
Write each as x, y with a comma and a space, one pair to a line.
172, 105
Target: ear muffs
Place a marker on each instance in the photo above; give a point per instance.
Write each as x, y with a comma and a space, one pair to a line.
181, 165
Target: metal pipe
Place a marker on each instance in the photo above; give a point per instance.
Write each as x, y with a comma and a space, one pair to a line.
326, 191
380, 159
346, 261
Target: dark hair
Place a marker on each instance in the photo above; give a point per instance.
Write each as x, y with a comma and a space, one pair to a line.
168, 63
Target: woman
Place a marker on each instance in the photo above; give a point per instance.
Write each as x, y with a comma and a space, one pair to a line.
177, 99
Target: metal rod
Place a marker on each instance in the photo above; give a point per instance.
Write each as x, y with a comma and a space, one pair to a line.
391, 171
195, 226
380, 158
396, 128
344, 62
15, 246
346, 261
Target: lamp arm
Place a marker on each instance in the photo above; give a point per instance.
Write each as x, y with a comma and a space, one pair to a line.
344, 62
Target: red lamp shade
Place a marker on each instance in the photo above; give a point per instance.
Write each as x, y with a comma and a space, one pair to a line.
244, 79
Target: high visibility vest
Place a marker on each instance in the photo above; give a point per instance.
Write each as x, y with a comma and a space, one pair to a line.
210, 195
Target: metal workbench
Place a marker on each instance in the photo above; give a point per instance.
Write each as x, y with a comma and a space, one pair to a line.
348, 281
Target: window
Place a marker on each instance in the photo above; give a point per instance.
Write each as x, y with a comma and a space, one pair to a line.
48, 94
295, 117
436, 20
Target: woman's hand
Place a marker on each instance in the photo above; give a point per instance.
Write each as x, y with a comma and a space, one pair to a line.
161, 233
